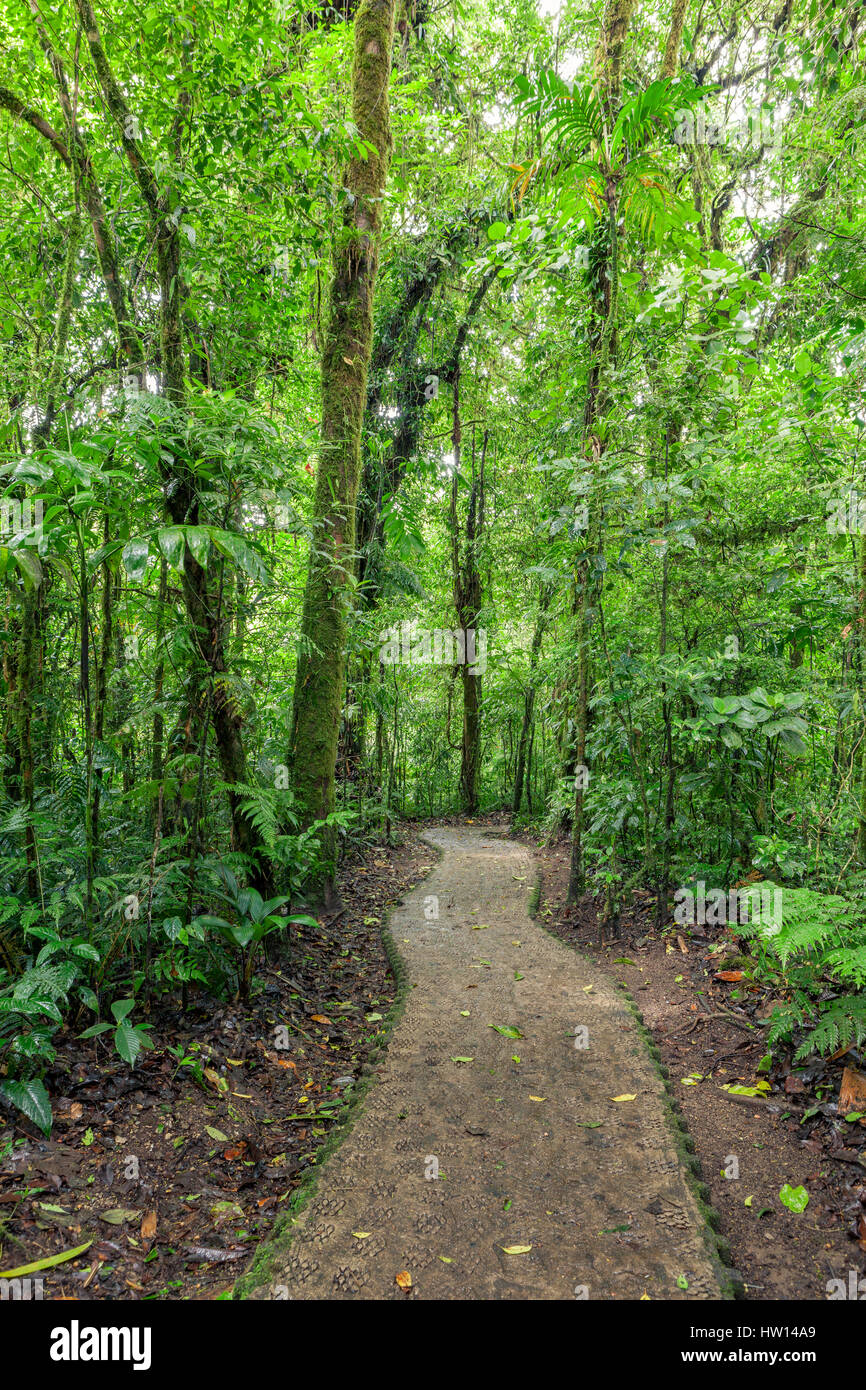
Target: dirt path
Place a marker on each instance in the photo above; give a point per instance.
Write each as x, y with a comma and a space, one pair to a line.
534, 1152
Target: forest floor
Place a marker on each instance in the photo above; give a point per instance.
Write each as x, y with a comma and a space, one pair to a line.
170, 1174
706, 1018
175, 1174
516, 1141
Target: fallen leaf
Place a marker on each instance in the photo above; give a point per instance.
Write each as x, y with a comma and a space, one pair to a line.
216, 1134
852, 1093
118, 1215
404, 1279
47, 1263
732, 976
361, 1235
148, 1225
462, 1059
794, 1198
516, 1249
319, 1018
624, 1097
538, 1097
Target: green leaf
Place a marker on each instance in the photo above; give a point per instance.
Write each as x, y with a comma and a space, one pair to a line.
198, 540
95, 1029
135, 557
237, 549
128, 1042
794, 1198
48, 1262
31, 1098
29, 565
117, 1216
172, 544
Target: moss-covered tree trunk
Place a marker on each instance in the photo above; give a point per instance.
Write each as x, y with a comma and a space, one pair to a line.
467, 602
861, 626
320, 674
603, 339
529, 703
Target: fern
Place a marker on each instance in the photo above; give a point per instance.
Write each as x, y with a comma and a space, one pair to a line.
785, 1019
816, 925
848, 963
821, 938
260, 807
842, 1023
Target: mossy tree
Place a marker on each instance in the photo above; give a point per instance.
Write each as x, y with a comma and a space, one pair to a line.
330, 588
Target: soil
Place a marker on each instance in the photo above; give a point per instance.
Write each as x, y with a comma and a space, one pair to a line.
714, 1029
177, 1169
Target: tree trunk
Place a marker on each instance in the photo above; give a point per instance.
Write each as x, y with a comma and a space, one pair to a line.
320, 674
603, 340
467, 602
529, 705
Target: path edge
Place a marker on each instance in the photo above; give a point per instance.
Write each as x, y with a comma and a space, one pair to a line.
280, 1238
729, 1279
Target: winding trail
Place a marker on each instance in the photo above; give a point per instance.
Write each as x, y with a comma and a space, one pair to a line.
530, 1153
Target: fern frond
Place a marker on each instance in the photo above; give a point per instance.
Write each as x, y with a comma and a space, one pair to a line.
842, 1024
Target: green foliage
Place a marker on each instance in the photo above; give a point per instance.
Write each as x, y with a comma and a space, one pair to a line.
657, 349
129, 1038
818, 948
